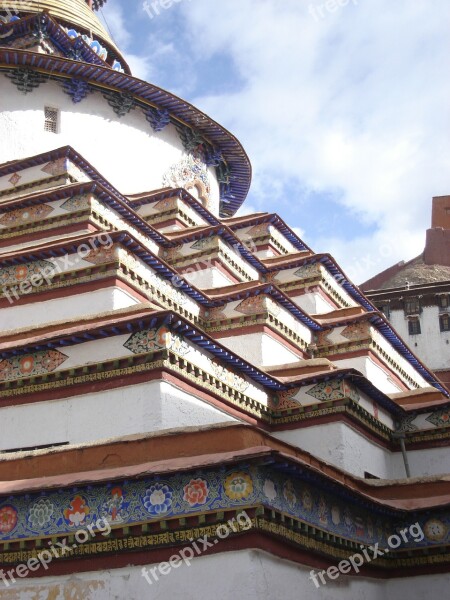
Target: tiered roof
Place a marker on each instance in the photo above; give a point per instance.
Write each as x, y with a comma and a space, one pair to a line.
180, 330
113, 302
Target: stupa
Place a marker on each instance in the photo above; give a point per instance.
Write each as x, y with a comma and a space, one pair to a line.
190, 401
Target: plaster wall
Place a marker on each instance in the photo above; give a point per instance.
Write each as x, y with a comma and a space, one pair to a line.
247, 575
313, 303
142, 408
432, 345
259, 349
43, 240
64, 309
433, 461
126, 151
346, 448
343, 447
378, 376
205, 279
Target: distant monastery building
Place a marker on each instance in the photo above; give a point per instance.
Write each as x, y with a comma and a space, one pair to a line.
191, 402
415, 295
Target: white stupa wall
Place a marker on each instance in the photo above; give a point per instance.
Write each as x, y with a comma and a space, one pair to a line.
70, 307
126, 151
260, 349
142, 408
346, 448
377, 375
313, 303
246, 575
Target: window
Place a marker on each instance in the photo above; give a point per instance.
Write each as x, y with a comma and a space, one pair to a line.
386, 310
414, 327
443, 301
51, 119
412, 306
368, 475
33, 448
444, 322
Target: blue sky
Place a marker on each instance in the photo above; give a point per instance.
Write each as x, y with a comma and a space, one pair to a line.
342, 106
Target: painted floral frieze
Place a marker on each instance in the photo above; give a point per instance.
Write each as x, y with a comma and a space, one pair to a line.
77, 512
60, 512
158, 500
196, 492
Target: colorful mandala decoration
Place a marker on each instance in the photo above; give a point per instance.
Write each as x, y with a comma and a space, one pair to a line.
23, 216
285, 400
15, 275
41, 513
333, 390
76, 203
260, 230
215, 314
435, 530
238, 486
38, 363
308, 271
196, 492
14, 179
165, 205
8, 519
407, 424
204, 243
357, 331
100, 255
77, 512
192, 175
151, 340
56, 167
252, 305
440, 418
158, 499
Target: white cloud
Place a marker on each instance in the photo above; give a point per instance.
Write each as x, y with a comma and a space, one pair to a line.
355, 103
115, 23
